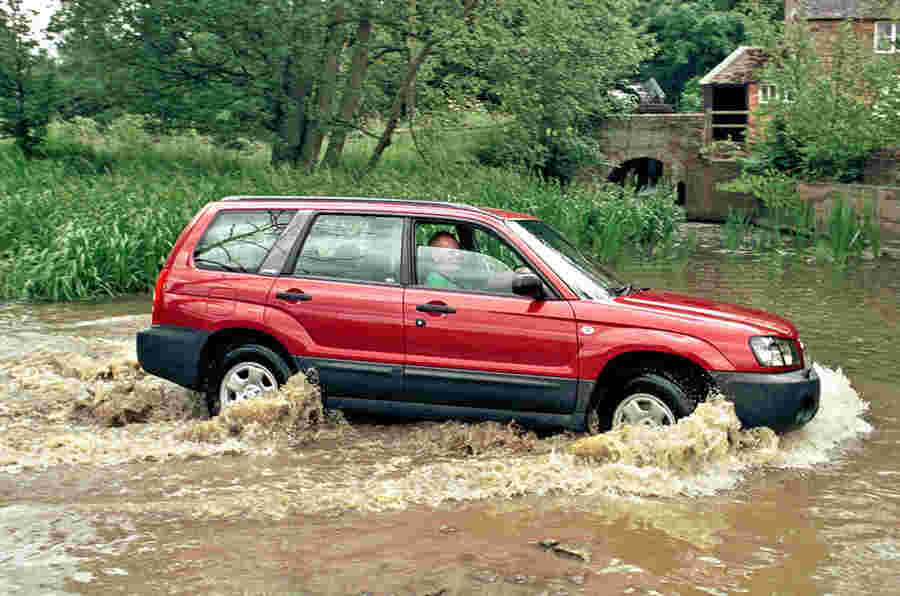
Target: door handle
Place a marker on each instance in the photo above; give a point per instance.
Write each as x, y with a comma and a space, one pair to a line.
296, 296
442, 308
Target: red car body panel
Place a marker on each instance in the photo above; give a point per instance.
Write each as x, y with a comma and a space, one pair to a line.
499, 348
491, 333
341, 320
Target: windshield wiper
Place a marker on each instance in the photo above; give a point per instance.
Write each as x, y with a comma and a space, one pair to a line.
626, 290
621, 290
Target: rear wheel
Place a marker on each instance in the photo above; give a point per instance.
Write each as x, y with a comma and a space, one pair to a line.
245, 372
650, 399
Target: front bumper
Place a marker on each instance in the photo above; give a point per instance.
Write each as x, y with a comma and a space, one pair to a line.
781, 401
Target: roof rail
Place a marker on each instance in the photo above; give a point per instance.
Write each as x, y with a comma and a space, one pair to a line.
357, 199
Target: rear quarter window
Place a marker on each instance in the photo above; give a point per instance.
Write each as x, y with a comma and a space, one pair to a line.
241, 240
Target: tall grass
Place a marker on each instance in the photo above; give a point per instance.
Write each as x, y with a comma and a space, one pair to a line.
846, 234
99, 216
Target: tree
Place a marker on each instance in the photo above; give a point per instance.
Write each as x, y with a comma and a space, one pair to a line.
30, 92
302, 71
692, 37
551, 66
830, 108
280, 66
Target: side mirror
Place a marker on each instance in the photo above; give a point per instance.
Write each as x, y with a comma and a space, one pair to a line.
528, 284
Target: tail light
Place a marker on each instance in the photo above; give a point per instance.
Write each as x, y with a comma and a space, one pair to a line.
158, 293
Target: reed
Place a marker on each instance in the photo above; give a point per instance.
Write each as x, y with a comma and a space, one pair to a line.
98, 217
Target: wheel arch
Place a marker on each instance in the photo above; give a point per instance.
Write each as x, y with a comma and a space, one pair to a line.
625, 366
220, 342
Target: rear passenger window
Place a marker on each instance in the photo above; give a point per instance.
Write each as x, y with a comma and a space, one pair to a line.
353, 247
240, 240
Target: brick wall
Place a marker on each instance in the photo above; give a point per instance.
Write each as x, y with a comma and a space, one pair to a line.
885, 198
752, 105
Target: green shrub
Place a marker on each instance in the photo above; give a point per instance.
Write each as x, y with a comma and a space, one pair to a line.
100, 217
622, 218
557, 156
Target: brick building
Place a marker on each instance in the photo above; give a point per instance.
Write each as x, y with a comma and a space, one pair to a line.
732, 90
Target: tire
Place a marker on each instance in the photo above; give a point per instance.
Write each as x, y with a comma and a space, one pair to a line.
651, 398
245, 372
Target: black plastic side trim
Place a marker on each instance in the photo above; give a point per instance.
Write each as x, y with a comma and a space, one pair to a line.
500, 391
172, 353
351, 377
425, 411
485, 377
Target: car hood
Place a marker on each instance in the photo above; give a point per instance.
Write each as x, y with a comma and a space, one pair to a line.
682, 306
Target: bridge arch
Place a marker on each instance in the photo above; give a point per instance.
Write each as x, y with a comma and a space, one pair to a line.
672, 139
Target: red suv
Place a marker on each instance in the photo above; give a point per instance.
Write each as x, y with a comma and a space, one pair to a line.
438, 310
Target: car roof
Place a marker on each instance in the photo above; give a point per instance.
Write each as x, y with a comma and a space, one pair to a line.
442, 206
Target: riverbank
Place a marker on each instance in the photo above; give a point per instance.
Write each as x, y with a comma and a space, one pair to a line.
99, 215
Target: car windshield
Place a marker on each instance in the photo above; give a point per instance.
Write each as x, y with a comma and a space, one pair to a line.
587, 279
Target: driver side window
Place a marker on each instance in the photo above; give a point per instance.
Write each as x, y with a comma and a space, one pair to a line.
459, 256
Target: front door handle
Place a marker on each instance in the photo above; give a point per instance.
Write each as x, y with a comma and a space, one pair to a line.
442, 308
293, 296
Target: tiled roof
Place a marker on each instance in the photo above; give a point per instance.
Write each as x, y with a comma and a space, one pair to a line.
845, 9
741, 66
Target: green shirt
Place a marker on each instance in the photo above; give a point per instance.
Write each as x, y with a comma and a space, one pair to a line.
436, 280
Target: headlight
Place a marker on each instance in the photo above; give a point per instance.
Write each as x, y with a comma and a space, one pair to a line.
775, 351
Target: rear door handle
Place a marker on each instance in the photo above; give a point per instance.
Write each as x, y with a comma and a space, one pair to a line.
443, 308
293, 296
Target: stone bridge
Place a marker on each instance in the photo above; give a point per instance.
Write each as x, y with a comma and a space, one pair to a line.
674, 140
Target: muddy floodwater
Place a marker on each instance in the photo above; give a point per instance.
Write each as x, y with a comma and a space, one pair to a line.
114, 482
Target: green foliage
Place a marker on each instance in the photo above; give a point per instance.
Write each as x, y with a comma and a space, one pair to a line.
737, 228
824, 127
845, 231
886, 109
692, 38
846, 234
100, 216
773, 189
722, 149
623, 219
691, 100
29, 93
551, 65
558, 156
292, 73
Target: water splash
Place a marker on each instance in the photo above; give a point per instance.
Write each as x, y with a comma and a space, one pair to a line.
840, 419
294, 409
77, 409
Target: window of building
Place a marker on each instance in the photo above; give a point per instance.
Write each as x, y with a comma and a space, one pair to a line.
771, 94
886, 37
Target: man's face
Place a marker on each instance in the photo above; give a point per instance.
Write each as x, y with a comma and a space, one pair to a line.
446, 254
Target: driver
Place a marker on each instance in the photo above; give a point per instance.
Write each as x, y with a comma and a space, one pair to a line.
446, 259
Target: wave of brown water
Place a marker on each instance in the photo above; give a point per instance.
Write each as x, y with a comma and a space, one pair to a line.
97, 408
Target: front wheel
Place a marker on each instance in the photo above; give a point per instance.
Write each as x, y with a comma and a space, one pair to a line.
246, 372
650, 399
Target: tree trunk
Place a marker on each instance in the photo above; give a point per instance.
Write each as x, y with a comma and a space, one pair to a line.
403, 93
397, 108
292, 120
315, 132
352, 94
411, 46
